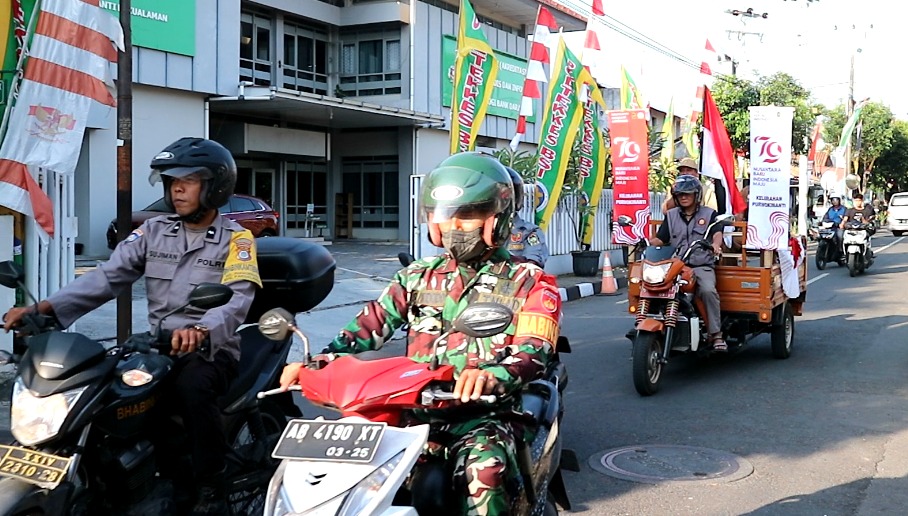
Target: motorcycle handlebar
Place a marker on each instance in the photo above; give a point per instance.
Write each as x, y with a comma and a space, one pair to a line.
432, 395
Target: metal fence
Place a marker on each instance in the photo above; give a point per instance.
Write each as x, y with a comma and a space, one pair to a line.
561, 235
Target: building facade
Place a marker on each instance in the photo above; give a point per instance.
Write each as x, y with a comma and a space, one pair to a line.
329, 106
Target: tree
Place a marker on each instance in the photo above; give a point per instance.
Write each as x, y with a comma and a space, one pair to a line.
876, 132
890, 173
733, 97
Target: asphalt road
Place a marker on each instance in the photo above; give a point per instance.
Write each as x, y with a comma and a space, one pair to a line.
826, 430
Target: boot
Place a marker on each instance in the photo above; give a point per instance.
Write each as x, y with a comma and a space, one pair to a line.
212, 496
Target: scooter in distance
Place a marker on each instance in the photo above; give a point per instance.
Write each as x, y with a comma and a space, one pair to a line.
857, 243
828, 249
369, 463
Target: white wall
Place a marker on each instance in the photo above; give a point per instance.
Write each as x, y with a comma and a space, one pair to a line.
160, 117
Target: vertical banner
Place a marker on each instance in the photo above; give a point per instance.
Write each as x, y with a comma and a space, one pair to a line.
14, 17
560, 124
770, 177
475, 68
591, 163
630, 166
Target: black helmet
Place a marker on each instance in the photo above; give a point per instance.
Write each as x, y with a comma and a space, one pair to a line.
209, 159
687, 184
517, 181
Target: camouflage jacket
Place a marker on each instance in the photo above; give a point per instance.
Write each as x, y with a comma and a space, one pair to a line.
430, 294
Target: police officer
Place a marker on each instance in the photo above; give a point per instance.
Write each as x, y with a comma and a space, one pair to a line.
176, 252
527, 241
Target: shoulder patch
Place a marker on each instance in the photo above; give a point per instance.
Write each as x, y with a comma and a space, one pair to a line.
241, 264
533, 239
135, 235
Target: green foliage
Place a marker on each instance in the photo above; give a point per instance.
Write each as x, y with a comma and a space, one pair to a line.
890, 175
521, 161
733, 97
877, 132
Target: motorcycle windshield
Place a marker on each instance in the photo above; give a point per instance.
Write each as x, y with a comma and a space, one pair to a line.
659, 254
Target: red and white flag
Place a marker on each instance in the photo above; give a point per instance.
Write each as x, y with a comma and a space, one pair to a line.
68, 69
717, 159
706, 76
539, 56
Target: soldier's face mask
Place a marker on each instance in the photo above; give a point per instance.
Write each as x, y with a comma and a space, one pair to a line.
464, 246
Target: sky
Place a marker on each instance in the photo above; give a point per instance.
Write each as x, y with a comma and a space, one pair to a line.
812, 41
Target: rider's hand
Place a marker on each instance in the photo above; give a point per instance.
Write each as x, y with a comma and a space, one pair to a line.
717, 250
290, 375
13, 317
473, 383
186, 340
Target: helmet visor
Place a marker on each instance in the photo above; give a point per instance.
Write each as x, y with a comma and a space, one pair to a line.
445, 202
178, 172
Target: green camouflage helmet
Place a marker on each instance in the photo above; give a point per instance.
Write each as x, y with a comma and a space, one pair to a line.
468, 185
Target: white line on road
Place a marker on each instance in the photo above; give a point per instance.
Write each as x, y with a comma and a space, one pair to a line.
621, 302
821, 276
887, 246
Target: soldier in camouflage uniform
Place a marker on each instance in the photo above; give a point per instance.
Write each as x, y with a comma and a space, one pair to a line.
527, 241
468, 204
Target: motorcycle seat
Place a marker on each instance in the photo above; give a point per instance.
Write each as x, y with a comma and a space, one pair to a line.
254, 352
539, 399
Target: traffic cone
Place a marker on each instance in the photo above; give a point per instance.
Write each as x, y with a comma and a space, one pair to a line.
609, 283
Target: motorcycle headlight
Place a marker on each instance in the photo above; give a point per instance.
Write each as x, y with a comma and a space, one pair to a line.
364, 492
655, 273
34, 420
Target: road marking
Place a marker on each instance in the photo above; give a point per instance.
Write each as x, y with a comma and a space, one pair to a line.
621, 302
821, 276
880, 250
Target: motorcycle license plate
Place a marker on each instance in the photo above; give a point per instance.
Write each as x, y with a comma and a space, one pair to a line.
333, 441
39, 468
665, 294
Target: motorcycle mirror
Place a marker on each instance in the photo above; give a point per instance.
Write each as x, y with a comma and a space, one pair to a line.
11, 274
625, 221
275, 324
405, 259
210, 295
483, 320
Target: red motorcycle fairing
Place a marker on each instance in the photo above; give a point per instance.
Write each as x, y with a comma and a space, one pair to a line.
378, 390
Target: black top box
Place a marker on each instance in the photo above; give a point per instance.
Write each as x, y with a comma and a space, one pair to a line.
296, 275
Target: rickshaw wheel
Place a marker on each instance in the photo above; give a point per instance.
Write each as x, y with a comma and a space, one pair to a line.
647, 362
782, 336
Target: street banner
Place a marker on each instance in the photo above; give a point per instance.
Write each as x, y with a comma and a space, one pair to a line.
592, 162
68, 69
630, 94
668, 133
770, 177
630, 166
539, 58
14, 17
563, 114
475, 68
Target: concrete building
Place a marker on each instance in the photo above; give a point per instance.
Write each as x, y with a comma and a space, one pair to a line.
328, 105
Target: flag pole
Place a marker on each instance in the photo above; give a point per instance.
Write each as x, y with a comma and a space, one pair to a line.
23, 53
124, 159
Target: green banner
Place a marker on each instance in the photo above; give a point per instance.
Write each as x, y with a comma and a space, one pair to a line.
475, 68
14, 18
508, 89
166, 25
591, 164
560, 123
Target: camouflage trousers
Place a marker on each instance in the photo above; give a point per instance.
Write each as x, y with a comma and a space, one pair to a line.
485, 460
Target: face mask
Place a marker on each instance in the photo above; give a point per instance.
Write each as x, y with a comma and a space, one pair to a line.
464, 246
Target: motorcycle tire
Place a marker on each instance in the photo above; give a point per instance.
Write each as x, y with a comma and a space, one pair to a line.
647, 362
821, 258
251, 499
852, 265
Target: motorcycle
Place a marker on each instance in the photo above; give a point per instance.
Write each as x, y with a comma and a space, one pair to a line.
857, 244
669, 317
827, 249
368, 462
82, 414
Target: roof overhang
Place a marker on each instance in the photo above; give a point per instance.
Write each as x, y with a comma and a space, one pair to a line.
524, 12
317, 110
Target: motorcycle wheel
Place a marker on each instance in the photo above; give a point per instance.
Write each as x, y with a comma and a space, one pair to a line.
250, 499
647, 362
821, 257
852, 265
550, 508
782, 336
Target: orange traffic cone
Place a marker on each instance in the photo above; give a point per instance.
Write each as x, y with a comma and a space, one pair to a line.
609, 283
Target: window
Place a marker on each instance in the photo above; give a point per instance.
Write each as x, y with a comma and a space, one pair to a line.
375, 187
239, 204
305, 65
371, 63
255, 49
307, 183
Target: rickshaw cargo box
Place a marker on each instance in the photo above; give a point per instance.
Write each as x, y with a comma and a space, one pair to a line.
296, 275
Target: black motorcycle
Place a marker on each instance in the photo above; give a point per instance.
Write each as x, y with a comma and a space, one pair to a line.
81, 414
829, 250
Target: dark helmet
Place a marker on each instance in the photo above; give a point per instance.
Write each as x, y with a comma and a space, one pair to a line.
687, 184
517, 183
209, 159
468, 184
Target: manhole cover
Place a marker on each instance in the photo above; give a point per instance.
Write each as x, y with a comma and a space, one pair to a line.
655, 463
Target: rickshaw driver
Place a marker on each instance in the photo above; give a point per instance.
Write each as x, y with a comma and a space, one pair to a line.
684, 225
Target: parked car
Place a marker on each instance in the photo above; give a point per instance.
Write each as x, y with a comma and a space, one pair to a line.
250, 212
898, 213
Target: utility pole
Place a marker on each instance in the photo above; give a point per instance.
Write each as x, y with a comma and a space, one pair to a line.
124, 159
849, 110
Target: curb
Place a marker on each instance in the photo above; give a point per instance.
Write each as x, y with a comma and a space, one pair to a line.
582, 290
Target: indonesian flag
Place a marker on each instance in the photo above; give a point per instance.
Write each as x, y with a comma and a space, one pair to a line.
539, 56
717, 160
706, 76
68, 69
